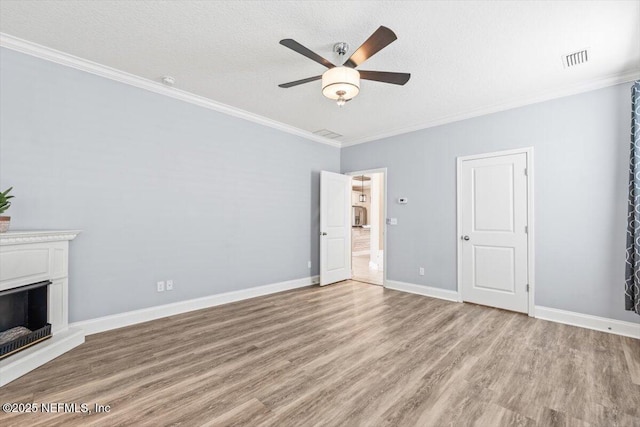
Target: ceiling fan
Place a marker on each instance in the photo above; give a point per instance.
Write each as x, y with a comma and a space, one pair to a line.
342, 83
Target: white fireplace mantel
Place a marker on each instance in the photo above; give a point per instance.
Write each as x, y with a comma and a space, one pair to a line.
36, 236
28, 257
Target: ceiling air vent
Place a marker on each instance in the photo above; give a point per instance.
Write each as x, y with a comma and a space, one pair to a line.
575, 58
327, 134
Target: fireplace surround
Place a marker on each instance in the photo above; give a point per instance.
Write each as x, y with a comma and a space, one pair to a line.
36, 262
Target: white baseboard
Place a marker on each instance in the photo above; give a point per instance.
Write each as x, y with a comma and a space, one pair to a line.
603, 324
618, 327
427, 291
107, 323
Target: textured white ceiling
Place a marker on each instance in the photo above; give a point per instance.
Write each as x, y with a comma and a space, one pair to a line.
463, 56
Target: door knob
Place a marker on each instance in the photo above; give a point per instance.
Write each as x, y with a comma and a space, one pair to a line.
465, 237
323, 233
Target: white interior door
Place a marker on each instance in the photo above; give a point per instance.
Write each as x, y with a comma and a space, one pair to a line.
493, 225
335, 227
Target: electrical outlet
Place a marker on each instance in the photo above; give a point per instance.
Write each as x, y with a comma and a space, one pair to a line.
421, 271
169, 285
309, 264
160, 286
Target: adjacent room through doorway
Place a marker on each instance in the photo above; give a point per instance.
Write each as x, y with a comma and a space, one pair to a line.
367, 228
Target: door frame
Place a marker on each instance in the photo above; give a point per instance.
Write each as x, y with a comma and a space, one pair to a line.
384, 220
530, 219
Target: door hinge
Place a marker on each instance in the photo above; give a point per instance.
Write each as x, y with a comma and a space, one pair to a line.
527, 287
526, 229
526, 171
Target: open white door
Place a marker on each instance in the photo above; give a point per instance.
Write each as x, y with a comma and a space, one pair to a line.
493, 220
335, 227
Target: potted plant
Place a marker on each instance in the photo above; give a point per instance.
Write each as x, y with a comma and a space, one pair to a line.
4, 205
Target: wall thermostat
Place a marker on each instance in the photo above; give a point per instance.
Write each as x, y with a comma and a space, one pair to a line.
402, 200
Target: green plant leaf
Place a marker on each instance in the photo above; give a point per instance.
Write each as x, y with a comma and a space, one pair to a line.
4, 200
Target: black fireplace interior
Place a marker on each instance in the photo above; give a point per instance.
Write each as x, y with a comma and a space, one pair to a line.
20, 308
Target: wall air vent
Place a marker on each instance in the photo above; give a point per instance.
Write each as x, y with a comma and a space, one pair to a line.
575, 58
327, 134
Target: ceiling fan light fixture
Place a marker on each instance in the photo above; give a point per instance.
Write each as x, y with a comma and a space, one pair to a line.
341, 84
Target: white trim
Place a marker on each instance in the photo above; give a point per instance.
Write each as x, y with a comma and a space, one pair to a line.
46, 53
39, 354
36, 236
603, 324
531, 232
120, 320
531, 265
427, 291
587, 86
384, 220
49, 54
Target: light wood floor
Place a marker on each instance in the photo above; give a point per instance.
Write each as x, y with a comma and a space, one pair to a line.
362, 272
349, 354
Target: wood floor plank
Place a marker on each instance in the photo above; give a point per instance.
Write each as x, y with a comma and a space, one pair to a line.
551, 418
495, 415
631, 348
247, 413
345, 385
349, 354
397, 382
364, 354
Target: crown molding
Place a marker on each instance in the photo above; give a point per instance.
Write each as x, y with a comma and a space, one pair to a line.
62, 58
52, 55
546, 96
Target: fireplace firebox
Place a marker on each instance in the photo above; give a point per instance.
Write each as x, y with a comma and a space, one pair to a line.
23, 317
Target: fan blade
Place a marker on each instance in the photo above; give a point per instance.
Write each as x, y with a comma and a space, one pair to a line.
294, 45
381, 38
299, 82
385, 77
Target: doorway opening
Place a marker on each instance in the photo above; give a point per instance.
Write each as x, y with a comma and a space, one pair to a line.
367, 227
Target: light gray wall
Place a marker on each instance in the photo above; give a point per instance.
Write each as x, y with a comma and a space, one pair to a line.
167, 190
581, 148
162, 189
